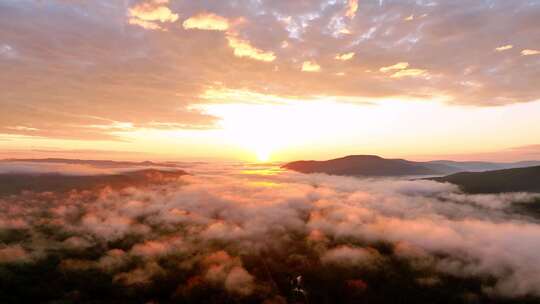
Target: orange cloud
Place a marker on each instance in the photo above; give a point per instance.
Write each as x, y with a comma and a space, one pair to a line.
409, 73
145, 24
208, 22
397, 66
528, 52
243, 48
148, 14
344, 31
345, 56
504, 48
13, 254
310, 66
402, 70
352, 7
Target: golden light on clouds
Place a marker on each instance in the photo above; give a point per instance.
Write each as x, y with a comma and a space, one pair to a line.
410, 73
226, 95
263, 52
352, 7
148, 14
207, 21
345, 56
344, 31
397, 66
144, 24
243, 48
310, 66
504, 48
23, 128
529, 52
402, 70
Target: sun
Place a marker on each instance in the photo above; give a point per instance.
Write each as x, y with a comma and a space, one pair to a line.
270, 129
263, 155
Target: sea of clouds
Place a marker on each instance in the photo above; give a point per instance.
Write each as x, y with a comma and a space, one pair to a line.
227, 227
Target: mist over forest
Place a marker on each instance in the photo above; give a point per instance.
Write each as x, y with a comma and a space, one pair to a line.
245, 233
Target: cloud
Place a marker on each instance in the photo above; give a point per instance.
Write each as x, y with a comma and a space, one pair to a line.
512, 154
310, 66
402, 70
410, 73
48, 115
220, 228
23, 128
345, 56
112, 260
346, 256
397, 66
529, 52
243, 48
8, 52
344, 31
504, 48
140, 276
77, 243
207, 21
75, 167
141, 63
239, 281
228, 271
13, 254
149, 14
148, 25
156, 248
352, 7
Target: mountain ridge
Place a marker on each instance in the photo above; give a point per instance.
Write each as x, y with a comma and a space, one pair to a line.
374, 165
497, 181
366, 165
15, 183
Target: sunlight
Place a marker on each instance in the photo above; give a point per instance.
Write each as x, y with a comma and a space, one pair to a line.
274, 129
263, 155
279, 123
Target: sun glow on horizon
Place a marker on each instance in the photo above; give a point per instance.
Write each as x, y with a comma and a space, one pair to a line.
279, 128
270, 128
262, 155
256, 127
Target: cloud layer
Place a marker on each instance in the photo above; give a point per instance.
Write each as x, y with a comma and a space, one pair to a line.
239, 233
144, 64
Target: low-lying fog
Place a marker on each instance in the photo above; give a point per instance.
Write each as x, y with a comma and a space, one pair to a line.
240, 233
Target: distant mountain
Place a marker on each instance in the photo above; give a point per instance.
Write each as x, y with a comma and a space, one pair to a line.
14, 183
507, 180
457, 166
363, 165
372, 165
95, 163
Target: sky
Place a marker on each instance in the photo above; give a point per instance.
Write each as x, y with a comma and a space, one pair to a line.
270, 80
